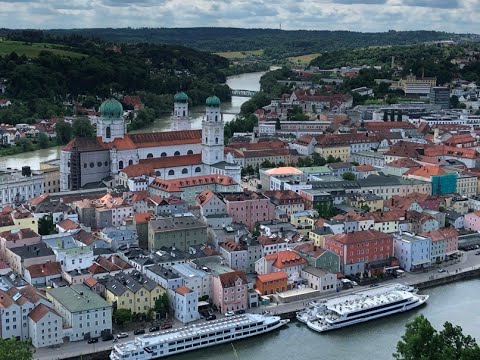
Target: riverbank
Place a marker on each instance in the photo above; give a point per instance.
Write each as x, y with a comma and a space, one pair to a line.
15, 149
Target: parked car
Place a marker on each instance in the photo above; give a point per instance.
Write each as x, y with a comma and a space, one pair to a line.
154, 328
229, 313
441, 270
122, 335
211, 317
92, 340
139, 332
477, 253
240, 312
374, 285
166, 326
108, 337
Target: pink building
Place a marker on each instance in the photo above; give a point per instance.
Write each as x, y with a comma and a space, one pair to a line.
15, 238
472, 221
248, 208
287, 261
449, 238
230, 291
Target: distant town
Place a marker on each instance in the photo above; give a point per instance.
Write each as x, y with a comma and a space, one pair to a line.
328, 192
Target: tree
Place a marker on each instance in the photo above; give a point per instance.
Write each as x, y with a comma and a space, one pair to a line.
14, 349
422, 342
349, 176
330, 159
45, 225
83, 128
162, 305
25, 144
278, 126
43, 140
121, 316
63, 131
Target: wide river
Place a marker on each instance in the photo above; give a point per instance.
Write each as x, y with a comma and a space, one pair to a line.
458, 303
248, 81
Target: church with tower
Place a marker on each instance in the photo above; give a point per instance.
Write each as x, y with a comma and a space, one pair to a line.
180, 153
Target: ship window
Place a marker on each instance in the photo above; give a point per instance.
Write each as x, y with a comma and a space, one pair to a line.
92, 165
99, 164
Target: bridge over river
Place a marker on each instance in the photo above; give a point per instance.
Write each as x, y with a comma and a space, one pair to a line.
243, 93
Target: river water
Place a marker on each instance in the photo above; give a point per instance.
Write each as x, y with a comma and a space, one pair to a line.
248, 81
458, 303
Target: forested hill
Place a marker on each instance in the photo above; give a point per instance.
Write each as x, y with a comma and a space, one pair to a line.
275, 43
155, 72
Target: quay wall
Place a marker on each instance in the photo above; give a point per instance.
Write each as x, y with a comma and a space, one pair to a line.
442, 280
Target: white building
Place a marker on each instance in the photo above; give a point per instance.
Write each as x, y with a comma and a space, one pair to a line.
46, 327
318, 279
194, 279
85, 314
185, 304
15, 187
412, 251
70, 253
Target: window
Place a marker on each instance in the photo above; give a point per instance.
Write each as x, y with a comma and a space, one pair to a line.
108, 132
163, 154
105, 163
120, 165
99, 164
198, 169
149, 156
216, 140
130, 162
171, 172
185, 171
177, 153
190, 152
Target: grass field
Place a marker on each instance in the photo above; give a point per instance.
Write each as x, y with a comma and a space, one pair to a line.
32, 50
303, 59
240, 54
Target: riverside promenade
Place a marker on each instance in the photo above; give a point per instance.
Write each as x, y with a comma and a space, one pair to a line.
468, 266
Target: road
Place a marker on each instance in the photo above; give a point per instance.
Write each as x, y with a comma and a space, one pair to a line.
467, 261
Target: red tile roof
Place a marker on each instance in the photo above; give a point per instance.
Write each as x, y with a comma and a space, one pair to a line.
177, 184
359, 237
441, 234
14, 235
364, 168
41, 270
142, 218
183, 290
228, 279
39, 312
148, 166
90, 282
68, 224
426, 171
274, 276
286, 258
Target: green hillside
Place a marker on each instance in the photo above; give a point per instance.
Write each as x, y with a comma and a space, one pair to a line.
33, 49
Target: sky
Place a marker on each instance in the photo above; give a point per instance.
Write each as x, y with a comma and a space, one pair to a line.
458, 16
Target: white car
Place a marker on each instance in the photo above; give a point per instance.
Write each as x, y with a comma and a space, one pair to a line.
229, 313
122, 335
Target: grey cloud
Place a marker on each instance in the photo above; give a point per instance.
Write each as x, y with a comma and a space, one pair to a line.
365, 2
440, 4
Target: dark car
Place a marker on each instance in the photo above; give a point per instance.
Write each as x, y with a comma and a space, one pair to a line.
154, 328
374, 285
211, 317
166, 326
92, 340
139, 332
240, 312
107, 337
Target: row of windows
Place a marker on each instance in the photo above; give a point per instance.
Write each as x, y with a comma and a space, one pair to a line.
99, 164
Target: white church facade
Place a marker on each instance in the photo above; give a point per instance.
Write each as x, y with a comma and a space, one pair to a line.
86, 162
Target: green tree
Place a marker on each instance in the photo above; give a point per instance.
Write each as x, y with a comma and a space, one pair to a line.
14, 349
422, 342
318, 160
63, 131
330, 159
162, 305
46, 225
349, 176
25, 144
43, 140
121, 316
82, 128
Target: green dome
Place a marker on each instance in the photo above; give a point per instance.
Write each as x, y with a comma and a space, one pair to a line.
213, 101
111, 108
180, 97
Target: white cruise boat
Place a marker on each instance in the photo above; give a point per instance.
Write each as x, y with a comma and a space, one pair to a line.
197, 336
363, 306
310, 313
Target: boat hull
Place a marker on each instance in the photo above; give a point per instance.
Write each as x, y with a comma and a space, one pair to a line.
314, 325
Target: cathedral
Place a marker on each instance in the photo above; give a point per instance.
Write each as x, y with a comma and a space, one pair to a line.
180, 153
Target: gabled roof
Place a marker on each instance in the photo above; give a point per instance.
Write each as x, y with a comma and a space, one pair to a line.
178, 184
68, 224
41, 270
183, 290
148, 166
229, 279
40, 311
274, 276
15, 235
359, 237
285, 259
441, 234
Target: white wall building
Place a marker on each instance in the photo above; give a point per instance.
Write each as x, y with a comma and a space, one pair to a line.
185, 304
412, 251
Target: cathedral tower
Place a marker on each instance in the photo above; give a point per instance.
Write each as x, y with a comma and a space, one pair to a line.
181, 118
111, 124
212, 133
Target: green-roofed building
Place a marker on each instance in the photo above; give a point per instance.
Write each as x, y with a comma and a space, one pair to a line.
85, 314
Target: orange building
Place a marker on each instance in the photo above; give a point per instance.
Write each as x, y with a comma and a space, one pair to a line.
272, 282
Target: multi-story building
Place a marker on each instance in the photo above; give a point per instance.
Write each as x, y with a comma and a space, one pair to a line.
413, 251
440, 95
319, 279
16, 187
388, 186
287, 260
163, 276
411, 85
358, 249
85, 314
195, 279
19, 218
20, 258
71, 254
119, 237
286, 202
235, 254
179, 232
45, 327
272, 283
185, 304
230, 291
17, 237
444, 243
319, 258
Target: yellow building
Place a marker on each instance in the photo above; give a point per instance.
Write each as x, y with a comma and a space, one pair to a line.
51, 176
133, 292
337, 151
361, 201
318, 235
19, 219
304, 221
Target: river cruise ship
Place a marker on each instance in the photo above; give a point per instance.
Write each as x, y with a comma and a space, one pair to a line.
197, 336
364, 306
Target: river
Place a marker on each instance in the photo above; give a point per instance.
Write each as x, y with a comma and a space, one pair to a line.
377, 339
248, 81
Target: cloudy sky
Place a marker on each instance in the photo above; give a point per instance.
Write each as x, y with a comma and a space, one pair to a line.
359, 15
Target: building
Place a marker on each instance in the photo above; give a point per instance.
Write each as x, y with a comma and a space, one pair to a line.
18, 187
318, 257
194, 278
85, 314
119, 237
179, 232
440, 96
17, 237
230, 291
287, 261
42, 275
166, 277
472, 221
185, 304
411, 85
272, 283
236, 255
45, 326
413, 251
71, 254
20, 258
357, 249
182, 153
319, 279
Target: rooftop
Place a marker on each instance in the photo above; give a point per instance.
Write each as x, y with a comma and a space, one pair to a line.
78, 298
